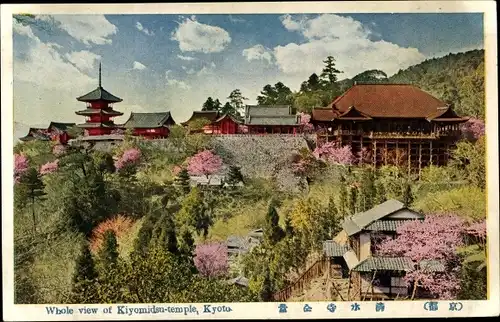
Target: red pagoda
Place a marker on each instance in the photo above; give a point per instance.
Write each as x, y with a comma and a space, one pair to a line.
99, 111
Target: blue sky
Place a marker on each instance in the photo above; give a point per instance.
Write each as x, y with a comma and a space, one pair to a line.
174, 62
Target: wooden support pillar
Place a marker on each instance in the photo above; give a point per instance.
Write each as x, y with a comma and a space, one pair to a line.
419, 158
374, 153
385, 152
397, 152
409, 157
430, 153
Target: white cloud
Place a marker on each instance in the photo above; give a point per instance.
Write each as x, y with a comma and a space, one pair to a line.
174, 82
198, 37
185, 57
140, 27
84, 60
258, 52
235, 19
139, 66
344, 38
24, 30
89, 29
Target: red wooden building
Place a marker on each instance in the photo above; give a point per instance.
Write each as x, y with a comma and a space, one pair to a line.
217, 123
150, 125
99, 111
390, 124
57, 132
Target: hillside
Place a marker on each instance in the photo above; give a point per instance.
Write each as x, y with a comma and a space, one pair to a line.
455, 78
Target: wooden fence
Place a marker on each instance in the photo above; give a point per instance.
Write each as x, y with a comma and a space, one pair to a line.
316, 270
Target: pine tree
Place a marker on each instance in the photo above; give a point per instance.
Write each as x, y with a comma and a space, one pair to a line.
84, 279
289, 231
343, 197
234, 175
407, 195
109, 252
165, 235
353, 195
329, 73
381, 195
266, 291
30, 189
272, 232
145, 235
209, 105
182, 181
333, 223
187, 243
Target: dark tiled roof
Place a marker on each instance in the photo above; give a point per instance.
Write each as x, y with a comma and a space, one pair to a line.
35, 133
267, 110
221, 117
384, 225
99, 94
432, 266
322, 114
385, 264
93, 111
95, 125
289, 120
358, 222
209, 115
389, 100
61, 126
148, 120
333, 249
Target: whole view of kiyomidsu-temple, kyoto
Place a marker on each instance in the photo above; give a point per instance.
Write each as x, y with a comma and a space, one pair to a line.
382, 123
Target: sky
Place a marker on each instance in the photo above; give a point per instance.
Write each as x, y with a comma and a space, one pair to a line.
173, 63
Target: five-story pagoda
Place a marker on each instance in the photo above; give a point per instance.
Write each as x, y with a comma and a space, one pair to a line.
99, 111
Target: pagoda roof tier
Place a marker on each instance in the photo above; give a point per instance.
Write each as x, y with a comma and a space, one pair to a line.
149, 120
97, 111
97, 124
390, 101
99, 94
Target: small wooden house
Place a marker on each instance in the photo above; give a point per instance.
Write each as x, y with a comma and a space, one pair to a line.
271, 119
352, 253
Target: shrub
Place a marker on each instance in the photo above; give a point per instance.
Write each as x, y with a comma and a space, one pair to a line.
119, 224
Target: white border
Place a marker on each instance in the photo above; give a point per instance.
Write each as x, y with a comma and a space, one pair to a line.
261, 310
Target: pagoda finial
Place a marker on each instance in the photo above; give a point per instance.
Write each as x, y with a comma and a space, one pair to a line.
100, 74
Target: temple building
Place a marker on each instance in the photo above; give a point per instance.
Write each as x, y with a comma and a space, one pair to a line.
57, 132
390, 124
218, 123
35, 133
99, 111
150, 125
279, 119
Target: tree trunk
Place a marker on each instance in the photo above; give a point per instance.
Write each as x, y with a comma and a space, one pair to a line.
414, 290
33, 211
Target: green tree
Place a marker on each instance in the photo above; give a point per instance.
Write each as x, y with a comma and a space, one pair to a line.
272, 231
29, 189
353, 196
182, 181
368, 191
234, 175
236, 100
329, 73
289, 231
407, 195
279, 94
84, 279
266, 292
211, 105
187, 243
343, 197
194, 212
109, 252
380, 195
332, 224
312, 84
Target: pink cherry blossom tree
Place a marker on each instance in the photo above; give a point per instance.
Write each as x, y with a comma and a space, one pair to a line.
304, 121
204, 163
49, 167
58, 149
130, 156
333, 153
211, 259
434, 239
20, 166
473, 129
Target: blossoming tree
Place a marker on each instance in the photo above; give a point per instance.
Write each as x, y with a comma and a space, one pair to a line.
434, 239
304, 121
333, 153
49, 167
128, 161
473, 129
204, 163
20, 166
211, 259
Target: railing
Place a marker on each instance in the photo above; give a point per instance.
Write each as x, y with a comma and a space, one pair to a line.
348, 132
381, 135
315, 271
